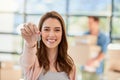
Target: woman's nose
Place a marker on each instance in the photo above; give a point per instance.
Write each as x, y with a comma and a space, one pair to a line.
51, 33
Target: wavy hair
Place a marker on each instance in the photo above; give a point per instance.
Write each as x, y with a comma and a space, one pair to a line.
64, 61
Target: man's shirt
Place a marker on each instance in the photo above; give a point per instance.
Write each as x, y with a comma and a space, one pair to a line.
103, 42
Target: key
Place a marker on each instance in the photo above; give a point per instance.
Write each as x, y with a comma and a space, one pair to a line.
39, 38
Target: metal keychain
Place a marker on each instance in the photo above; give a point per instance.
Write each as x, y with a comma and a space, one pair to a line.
39, 38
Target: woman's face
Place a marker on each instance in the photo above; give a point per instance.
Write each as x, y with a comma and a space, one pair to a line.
51, 33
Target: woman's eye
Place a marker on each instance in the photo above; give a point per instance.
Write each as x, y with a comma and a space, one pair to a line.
46, 29
57, 30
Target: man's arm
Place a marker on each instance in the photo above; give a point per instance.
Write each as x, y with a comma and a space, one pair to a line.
96, 61
104, 41
100, 57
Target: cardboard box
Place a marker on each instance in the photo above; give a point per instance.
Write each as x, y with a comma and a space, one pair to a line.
111, 75
86, 39
112, 65
114, 53
6, 64
113, 57
10, 74
115, 67
82, 53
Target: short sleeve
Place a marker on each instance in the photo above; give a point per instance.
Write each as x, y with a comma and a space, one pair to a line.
103, 42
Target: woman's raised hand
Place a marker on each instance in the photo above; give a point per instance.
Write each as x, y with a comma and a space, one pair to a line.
30, 33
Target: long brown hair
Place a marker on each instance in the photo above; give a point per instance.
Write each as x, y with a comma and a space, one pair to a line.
63, 60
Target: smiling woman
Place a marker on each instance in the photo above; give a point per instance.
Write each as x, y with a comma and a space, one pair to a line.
52, 32
50, 61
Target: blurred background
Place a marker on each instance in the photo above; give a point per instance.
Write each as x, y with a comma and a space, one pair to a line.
74, 12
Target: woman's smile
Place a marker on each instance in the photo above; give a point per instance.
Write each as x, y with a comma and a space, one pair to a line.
51, 41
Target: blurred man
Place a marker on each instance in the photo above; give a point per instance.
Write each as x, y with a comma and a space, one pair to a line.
103, 41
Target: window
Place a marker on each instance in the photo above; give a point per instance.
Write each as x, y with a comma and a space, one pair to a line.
90, 7
79, 25
10, 43
42, 6
74, 12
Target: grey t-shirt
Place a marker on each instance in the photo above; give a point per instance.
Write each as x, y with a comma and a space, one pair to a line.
53, 76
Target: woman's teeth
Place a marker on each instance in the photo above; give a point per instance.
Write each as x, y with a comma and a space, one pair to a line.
51, 41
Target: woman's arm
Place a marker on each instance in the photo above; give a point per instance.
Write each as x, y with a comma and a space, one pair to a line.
27, 59
29, 33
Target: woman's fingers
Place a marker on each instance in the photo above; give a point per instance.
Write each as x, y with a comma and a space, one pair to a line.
24, 33
27, 30
31, 28
36, 29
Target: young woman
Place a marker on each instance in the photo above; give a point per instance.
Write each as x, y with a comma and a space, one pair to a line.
51, 61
